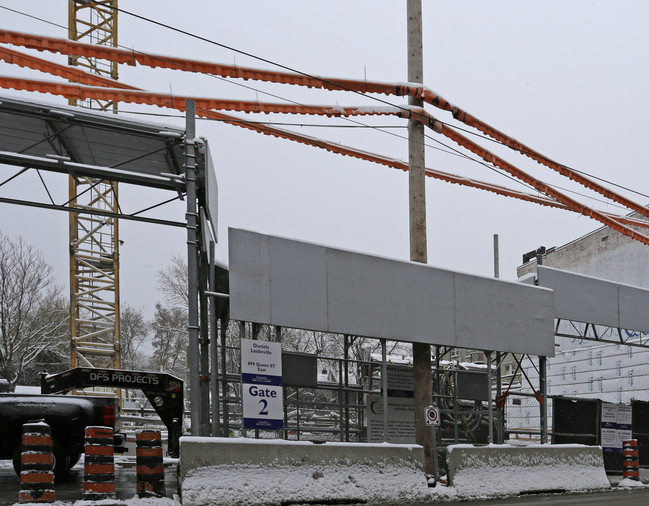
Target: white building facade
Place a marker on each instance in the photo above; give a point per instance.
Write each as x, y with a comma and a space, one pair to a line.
616, 373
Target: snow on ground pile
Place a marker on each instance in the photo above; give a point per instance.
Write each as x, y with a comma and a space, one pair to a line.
245, 484
630, 483
500, 470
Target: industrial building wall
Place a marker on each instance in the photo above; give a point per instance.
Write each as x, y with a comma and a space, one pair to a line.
615, 373
603, 253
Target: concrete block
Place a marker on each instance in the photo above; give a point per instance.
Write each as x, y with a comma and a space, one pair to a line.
486, 470
215, 471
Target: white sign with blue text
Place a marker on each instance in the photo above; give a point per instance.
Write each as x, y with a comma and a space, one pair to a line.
261, 380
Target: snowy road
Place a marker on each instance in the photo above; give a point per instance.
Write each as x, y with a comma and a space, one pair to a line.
615, 497
71, 490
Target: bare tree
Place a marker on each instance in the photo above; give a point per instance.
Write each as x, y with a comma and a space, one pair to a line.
56, 357
172, 281
170, 340
31, 319
170, 337
134, 331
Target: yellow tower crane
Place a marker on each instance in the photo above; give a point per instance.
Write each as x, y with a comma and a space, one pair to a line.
94, 239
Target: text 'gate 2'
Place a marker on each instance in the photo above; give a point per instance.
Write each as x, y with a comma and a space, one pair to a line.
261, 379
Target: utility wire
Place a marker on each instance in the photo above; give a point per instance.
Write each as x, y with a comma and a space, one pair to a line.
351, 120
529, 153
343, 88
305, 74
522, 183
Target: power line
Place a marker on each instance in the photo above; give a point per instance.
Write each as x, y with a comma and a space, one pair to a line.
305, 74
357, 124
351, 120
527, 186
537, 155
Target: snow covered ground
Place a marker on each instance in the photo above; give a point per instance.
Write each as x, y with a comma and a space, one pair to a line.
247, 485
210, 484
490, 476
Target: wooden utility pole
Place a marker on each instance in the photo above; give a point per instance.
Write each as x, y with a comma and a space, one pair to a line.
418, 248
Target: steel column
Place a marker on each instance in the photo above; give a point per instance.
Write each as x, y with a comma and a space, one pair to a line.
214, 352
191, 217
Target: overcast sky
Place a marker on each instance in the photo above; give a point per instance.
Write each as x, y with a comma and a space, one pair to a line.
569, 79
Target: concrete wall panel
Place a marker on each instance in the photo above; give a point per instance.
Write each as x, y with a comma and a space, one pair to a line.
581, 298
298, 284
293, 284
251, 287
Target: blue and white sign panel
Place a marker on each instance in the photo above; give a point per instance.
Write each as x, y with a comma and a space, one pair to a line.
616, 427
261, 379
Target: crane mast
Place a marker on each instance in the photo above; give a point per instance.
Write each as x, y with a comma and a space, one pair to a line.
94, 239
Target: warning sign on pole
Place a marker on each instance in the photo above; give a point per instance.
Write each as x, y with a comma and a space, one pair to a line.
432, 415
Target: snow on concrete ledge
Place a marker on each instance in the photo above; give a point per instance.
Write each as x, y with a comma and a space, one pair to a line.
500, 470
219, 471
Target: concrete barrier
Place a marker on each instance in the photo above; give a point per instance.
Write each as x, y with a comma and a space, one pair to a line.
505, 470
214, 471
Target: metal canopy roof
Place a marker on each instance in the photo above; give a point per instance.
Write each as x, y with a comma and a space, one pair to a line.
96, 144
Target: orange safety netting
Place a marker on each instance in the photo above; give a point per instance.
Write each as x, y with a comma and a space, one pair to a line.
131, 94
68, 47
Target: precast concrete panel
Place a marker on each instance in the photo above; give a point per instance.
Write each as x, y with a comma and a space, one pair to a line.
249, 258
633, 304
396, 300
298, 284
581, 298
511, 312
294, 284
598, 301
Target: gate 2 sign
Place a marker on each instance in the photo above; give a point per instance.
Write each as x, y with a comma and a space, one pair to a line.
261, 382
432, 415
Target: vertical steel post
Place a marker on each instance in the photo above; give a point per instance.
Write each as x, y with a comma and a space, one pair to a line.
192, 265
544, 393
543, 407
417, 215
433, 437
499, 392
496, 257
346, 359
499, 434
384, 387
214, 352
341, 411
490, 400
224, 376
242, 335
204, 343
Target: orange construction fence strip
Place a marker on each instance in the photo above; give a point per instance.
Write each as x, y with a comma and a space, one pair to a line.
69, 91
491, 158
512, 143
68, 47
56, 69
83, 92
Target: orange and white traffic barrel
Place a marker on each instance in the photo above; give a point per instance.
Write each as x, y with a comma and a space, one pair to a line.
631, 465
37, 464
150, 467
99, 464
